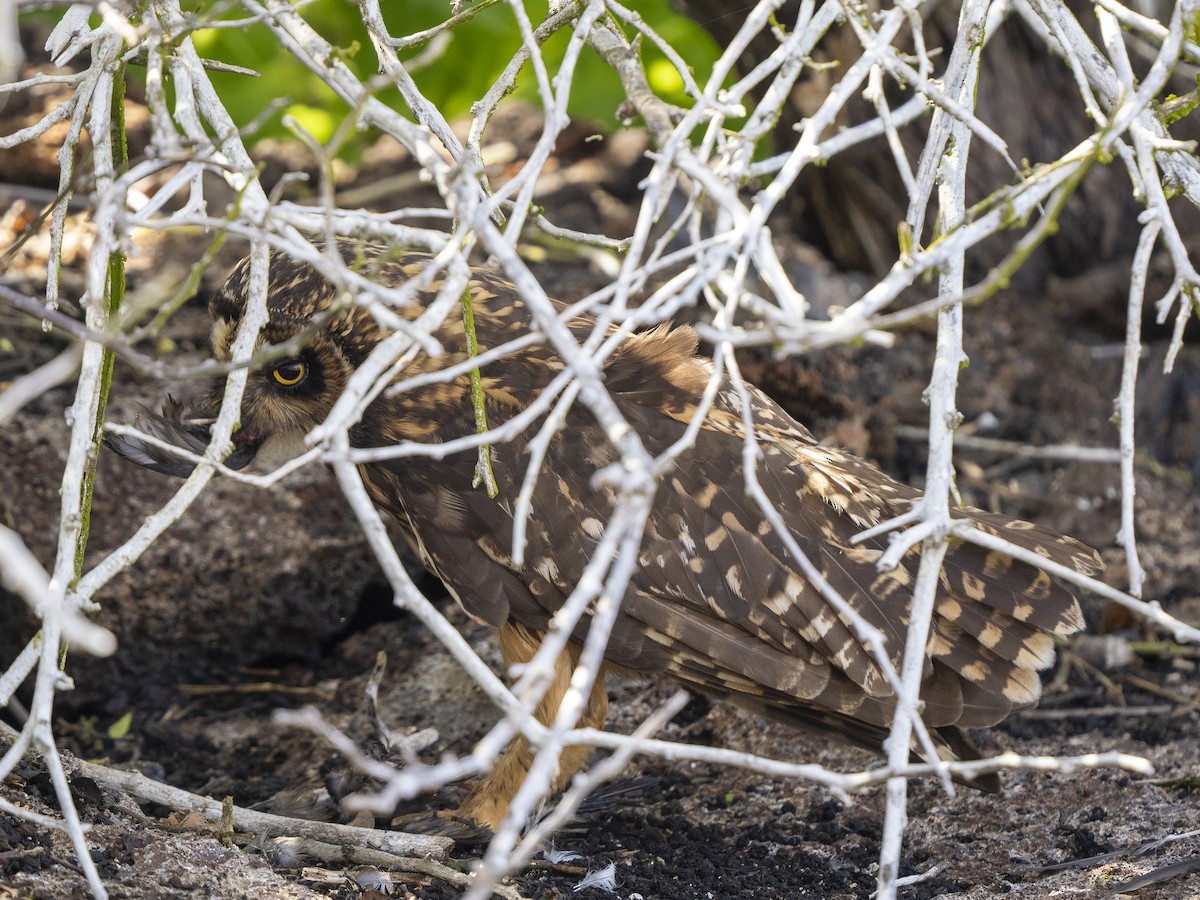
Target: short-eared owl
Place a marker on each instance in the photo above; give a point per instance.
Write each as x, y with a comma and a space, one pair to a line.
716, 600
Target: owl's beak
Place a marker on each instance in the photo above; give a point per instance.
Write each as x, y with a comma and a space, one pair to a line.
187, 429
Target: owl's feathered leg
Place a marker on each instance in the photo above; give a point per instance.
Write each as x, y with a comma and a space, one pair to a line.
489, 801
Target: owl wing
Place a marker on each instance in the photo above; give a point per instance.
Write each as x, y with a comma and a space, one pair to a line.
717, 598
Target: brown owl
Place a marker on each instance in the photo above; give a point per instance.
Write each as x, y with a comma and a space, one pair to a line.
716, 599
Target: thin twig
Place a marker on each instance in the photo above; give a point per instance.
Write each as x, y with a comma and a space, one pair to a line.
396, 843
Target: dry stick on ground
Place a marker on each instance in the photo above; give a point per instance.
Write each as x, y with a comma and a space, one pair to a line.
331, 843
396, 850
1068, 452
395, 843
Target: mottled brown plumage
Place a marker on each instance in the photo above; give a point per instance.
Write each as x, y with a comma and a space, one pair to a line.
716, 599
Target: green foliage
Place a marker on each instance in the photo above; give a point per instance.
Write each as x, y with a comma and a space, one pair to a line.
114, 295
120, 728
476, 55
1175, 108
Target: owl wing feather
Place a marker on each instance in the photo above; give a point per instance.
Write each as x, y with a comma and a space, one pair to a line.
716, 599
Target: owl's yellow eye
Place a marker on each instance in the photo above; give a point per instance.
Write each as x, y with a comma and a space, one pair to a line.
290, 373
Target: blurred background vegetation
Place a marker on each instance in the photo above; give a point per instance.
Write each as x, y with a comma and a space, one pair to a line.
474, 56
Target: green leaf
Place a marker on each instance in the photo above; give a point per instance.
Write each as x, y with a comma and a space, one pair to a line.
120, 728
